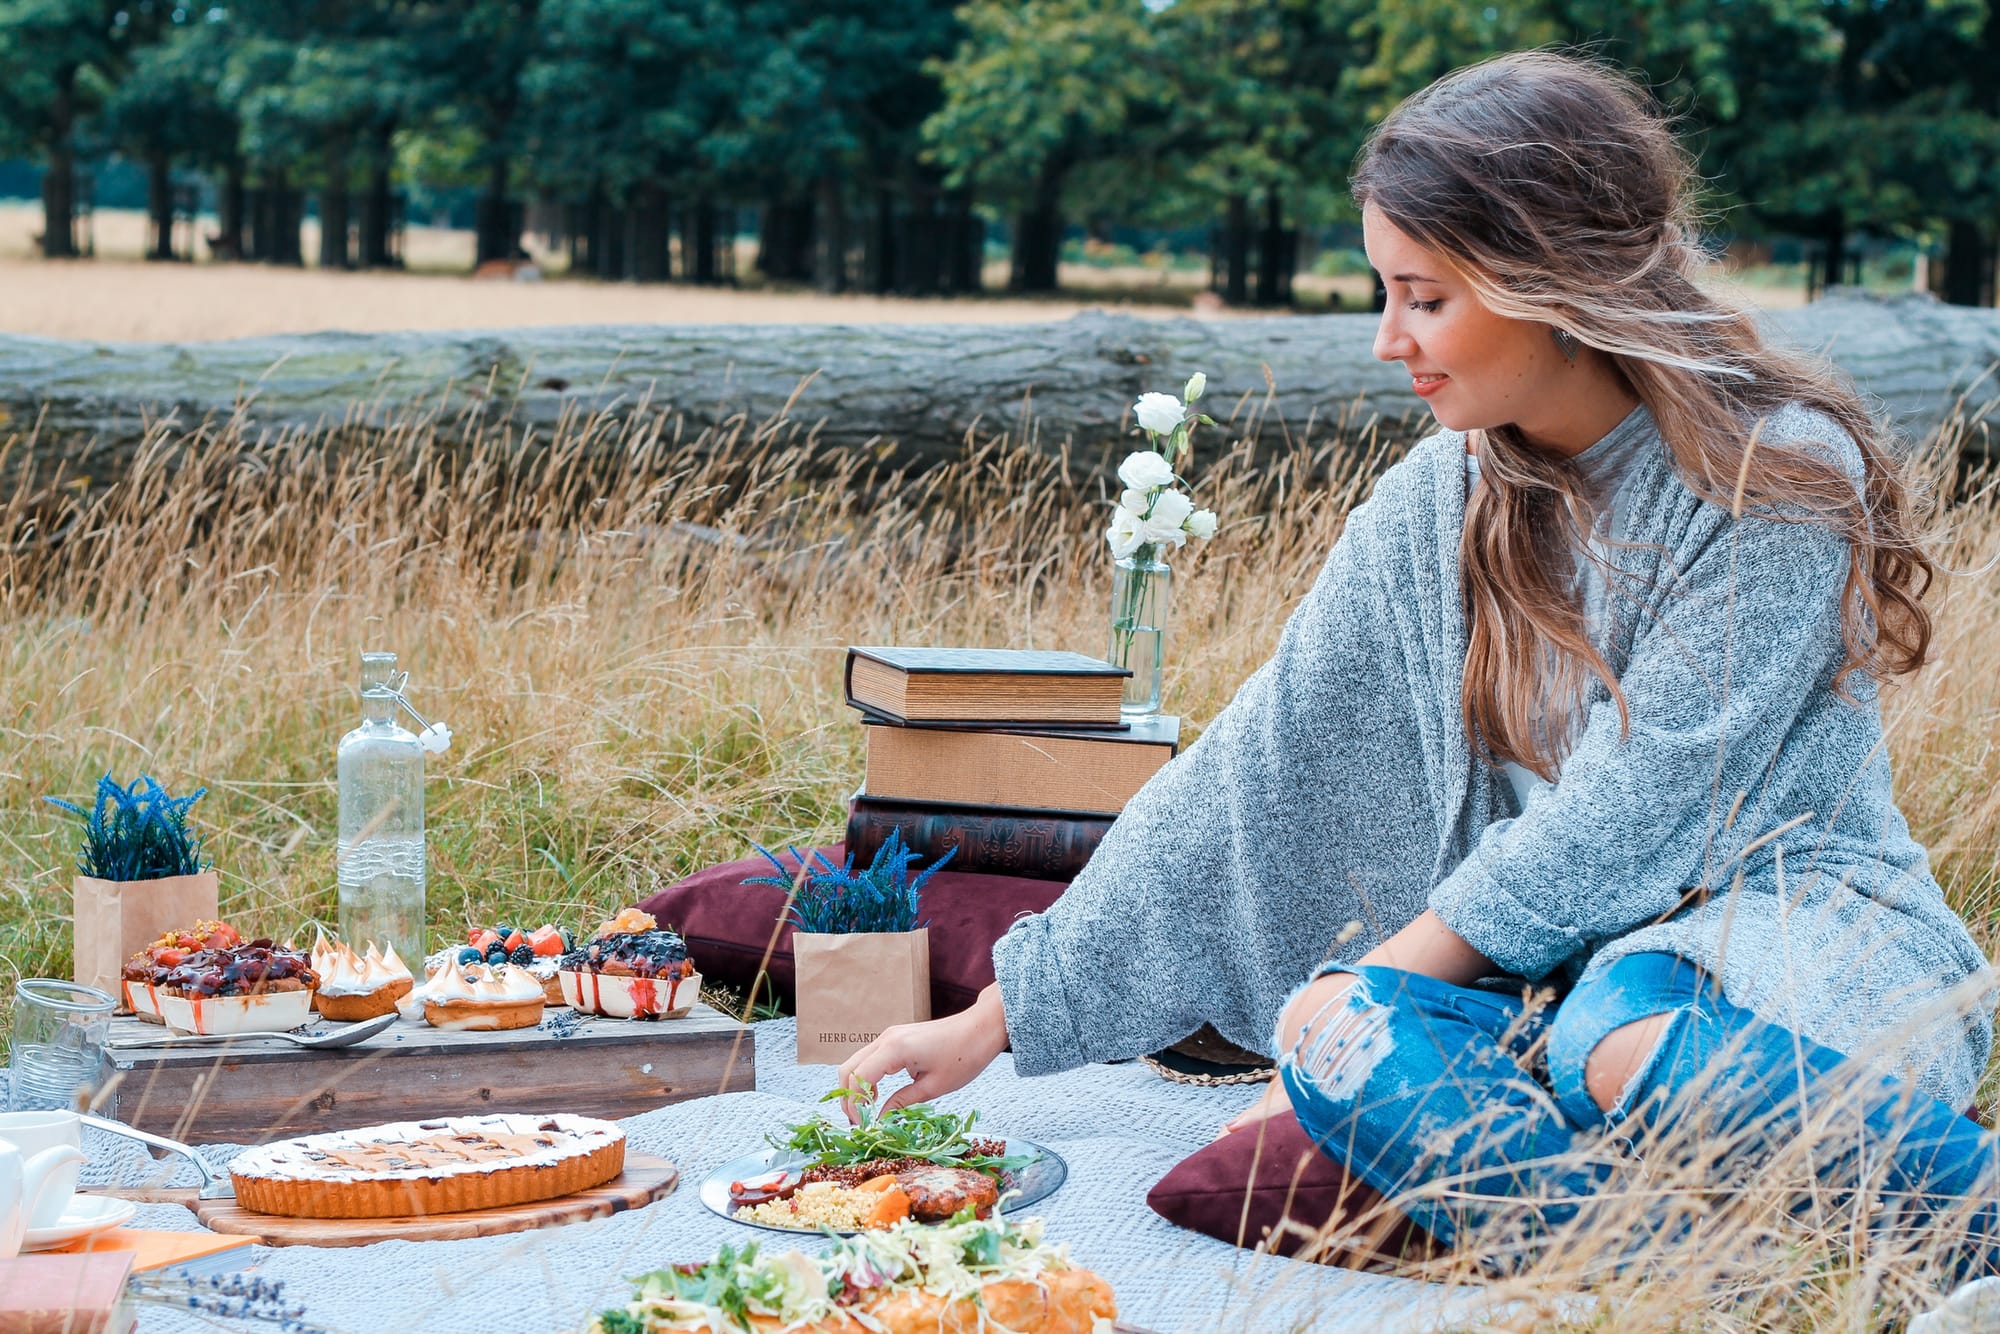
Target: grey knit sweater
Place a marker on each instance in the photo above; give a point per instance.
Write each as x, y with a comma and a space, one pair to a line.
1338, 788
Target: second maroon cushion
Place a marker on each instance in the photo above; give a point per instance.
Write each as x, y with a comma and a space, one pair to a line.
1245, 1189
727, 925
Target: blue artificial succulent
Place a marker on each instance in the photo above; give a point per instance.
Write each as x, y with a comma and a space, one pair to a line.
136, 833
833, 900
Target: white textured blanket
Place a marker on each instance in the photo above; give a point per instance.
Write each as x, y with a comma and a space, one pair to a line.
1120, 1128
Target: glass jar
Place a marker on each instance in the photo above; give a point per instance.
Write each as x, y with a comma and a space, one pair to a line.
382, 860
1141, 590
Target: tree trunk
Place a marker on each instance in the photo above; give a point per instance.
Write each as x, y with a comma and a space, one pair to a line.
1273, 276
922, 386
830, 260
965, 238
287, 209
378, 201
229, 205
651, 234
609, 248
698, 244
1038, 232
497, 231
333, 208
1236, 252
1834, 263
1968, 265
879, 264
59, 181
159, 206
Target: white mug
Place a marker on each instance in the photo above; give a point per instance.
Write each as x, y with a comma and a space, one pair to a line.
34, 1134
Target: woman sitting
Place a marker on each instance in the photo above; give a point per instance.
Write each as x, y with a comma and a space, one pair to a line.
1584, 698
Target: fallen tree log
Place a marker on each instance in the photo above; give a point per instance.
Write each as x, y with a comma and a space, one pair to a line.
924, 387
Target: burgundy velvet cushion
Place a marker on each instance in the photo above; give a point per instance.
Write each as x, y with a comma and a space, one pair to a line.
727, 925
1240, 1188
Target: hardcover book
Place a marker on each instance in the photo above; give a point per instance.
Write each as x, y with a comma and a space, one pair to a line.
985, 686
1023, 768
1040, 845
66, 1294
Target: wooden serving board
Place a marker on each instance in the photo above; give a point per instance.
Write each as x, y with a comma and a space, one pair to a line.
251, 1091
644, 1180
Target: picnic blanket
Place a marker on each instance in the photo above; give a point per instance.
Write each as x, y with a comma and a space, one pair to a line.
1120, 1127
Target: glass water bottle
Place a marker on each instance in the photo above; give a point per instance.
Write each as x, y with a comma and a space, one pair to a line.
382, 856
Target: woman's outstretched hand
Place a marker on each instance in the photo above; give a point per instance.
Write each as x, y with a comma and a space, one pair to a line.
940, 1056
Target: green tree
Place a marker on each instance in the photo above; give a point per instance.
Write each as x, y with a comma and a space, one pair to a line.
168, 110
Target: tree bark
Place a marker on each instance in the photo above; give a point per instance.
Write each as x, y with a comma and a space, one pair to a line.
1038, 232
160, 206
229, 213
378, 202
966, 232
333, 208
830, 260
497, 232
921, 386
698, 244
1236, 252
651, 246
1968, 265
59, 181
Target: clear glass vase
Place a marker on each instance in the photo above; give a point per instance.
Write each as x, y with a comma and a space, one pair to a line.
1141, 591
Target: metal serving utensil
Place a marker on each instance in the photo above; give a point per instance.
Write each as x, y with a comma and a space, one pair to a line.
345, 1036
214, 1186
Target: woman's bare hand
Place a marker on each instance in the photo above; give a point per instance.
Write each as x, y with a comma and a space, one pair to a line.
941, 1056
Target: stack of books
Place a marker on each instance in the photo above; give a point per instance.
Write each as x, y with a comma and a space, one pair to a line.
1016, 757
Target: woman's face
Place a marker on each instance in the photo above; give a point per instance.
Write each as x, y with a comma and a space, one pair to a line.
1474, 368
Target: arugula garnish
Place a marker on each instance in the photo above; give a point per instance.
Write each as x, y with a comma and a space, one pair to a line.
920, 1131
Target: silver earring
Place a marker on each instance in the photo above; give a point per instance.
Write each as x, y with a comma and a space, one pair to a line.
1566, 343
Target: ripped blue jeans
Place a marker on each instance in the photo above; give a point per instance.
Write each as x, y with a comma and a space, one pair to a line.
1411, 1082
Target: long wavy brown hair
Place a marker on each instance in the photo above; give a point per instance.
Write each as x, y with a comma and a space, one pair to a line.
1556, 187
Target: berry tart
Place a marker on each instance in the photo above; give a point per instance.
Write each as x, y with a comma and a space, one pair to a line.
631, 970
483, 997
360, 986
144, 972
539, 951
255, 988
444, 1166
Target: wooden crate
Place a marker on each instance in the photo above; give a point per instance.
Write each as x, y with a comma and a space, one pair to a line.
250, 1091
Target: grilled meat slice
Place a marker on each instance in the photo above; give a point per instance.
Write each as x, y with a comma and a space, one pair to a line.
936, 1193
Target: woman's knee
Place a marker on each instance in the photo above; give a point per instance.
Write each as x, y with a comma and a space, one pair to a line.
1621, 1056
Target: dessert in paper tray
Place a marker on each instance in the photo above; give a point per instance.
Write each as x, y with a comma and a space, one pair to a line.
442, 1166
144, 973
631, 970
979, 1274
255, 988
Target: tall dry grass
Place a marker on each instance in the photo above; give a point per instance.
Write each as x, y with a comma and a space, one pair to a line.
636, 640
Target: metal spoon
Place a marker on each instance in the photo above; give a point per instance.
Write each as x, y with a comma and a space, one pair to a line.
214, 1185
345, 1036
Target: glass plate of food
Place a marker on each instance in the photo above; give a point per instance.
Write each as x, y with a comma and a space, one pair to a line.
914, 1162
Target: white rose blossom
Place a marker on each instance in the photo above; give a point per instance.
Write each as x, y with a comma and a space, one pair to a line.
1123, 534
1145, 469
1161, 414
1170, 510
1201, 524
1135, 500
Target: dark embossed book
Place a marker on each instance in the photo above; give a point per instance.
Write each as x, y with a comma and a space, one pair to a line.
1040, 845
985, 685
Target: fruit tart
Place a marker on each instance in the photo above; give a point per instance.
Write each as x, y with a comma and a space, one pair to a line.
139, 981
358, 986
539, 951
260, 987
631, 970
483, 998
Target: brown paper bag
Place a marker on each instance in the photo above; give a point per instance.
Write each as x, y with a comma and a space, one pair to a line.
850, 988
115, 919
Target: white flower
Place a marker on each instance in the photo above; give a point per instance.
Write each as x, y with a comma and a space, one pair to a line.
1123, 534
1170, 510
1196, 383
436, 738
1146, 469
1201, 524
1159, 413
1136, 500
